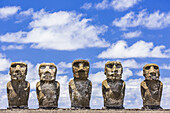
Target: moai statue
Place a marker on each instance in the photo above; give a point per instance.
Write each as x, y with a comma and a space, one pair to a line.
151, 87
113, 88
80, 87
18, 89
47, 88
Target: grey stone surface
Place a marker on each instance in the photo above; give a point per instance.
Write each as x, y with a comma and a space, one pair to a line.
83, 111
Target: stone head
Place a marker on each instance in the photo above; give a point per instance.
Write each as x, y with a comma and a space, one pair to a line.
47, 72
113, 70
80, 69
151, 72
18, 71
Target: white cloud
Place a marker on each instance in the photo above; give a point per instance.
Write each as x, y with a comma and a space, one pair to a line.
130, 35
140, 49
3, 97
126, 73
12, 47
166, 91
165, 66
155, 20
103, 5
7, 11
4, 63
96, 96
139, 73
131, 63
99, 64
64, 99
98, 77
49, 31
62, 66
118, 5
28, 12
86, 6
133, 97
122, 5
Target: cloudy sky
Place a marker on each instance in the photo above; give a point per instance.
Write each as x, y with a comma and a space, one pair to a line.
135, 32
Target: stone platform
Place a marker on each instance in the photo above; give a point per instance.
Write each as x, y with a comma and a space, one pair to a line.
82, 111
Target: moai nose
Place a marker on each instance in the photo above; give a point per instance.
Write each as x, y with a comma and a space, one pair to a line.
152, 70
114, 68
47, 73
81, 66
17, 67
17, 71
153, 74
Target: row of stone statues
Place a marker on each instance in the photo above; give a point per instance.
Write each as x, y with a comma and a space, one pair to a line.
80, 88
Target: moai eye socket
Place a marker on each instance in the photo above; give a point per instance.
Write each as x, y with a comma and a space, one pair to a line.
13, 65
156, 67
109, 65
52, 67
76, 64
118, 66
22, 66
148, 67
42, 67
86, 65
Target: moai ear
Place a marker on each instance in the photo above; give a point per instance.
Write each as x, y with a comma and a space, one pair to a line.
26, 69
10, 70
105, 69
122, 70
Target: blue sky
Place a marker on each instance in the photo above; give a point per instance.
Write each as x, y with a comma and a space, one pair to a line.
135, 32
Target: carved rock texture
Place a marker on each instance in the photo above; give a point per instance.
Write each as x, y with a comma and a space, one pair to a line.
47, 88
113, 88
80, 87
18, 89
151, 87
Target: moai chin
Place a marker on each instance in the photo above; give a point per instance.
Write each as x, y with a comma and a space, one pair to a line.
47, 88
80, 87
18, 89
113, 88
151, 87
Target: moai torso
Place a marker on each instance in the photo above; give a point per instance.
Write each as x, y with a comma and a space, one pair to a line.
113, 87
80, 87
47, 88
151, 87
18, 89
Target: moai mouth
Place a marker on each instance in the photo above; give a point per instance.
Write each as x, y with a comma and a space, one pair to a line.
47, 76
114, 73
18, 72
153, 75
81, 73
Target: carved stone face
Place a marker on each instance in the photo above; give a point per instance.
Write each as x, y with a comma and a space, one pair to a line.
47, 72
151, 72
113, 70
18, 71
80, 69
